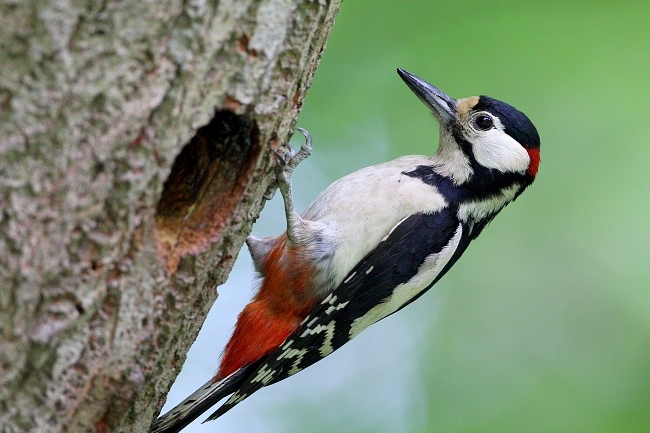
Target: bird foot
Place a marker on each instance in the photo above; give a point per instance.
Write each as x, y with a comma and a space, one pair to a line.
288, 160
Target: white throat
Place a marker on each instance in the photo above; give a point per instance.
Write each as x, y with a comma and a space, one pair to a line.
450, 160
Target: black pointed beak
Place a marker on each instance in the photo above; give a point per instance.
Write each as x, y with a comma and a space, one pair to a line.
441, 105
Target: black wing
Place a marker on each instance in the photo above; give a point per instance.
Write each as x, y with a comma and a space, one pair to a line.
395, 261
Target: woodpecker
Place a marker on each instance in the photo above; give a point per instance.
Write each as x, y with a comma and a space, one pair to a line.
370, 244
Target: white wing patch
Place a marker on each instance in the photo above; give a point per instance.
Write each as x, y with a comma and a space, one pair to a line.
264, 375
403, 293
327, 347
295, 354
328, 329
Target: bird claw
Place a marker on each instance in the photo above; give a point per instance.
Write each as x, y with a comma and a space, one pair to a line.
288, 160
284, 154
270, 192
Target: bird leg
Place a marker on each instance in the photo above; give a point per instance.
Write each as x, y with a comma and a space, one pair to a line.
283, 173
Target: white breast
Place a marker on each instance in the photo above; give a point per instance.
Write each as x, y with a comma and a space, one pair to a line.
358, 210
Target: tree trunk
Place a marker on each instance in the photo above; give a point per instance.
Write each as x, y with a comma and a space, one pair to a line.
135, 150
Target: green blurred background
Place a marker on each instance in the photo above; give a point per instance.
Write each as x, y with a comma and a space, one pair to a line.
544, 324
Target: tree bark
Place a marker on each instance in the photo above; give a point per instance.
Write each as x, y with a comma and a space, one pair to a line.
135, 150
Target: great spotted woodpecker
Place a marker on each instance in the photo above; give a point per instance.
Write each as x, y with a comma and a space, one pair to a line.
370, 244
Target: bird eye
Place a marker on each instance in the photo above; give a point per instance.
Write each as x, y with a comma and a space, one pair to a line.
484, 122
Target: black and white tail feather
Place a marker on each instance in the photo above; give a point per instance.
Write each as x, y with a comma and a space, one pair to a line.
200, 401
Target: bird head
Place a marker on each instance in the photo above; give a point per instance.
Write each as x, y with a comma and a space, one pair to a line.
479, 134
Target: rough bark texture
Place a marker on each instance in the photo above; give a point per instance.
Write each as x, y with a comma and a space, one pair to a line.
135, 145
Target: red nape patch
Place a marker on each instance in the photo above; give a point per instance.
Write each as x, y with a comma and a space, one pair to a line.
534, 161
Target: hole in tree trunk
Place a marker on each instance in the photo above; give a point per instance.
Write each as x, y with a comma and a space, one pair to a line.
205, 186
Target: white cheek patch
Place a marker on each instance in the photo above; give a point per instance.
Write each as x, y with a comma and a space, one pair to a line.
497, 150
